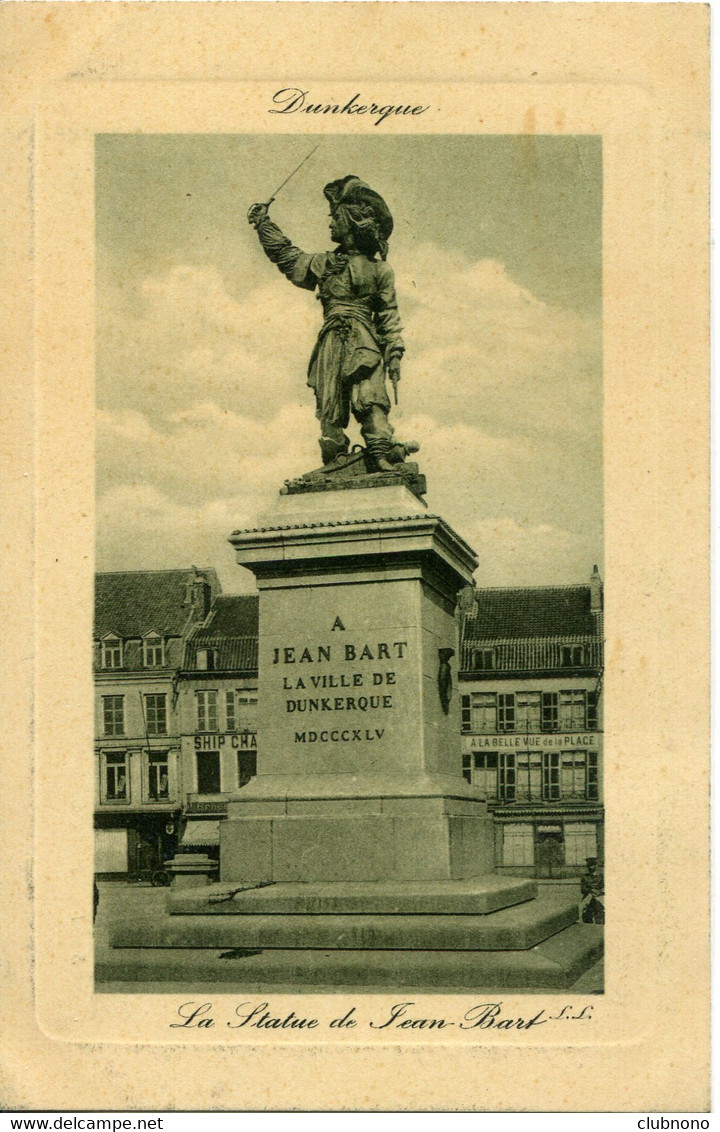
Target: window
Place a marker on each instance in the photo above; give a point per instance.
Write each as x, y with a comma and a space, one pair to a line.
592, 777
592, 710
246, 707
573, 774
572, 710
466, 717
230, 723
467, 764
206, 660
528, 776
153, 651
116, 779
208, 772
113, 715
156, 714
111, 652
580, 842
484, 711
507, 778
549, 709
247, 699
485, 772
240, 709
506, 711
247, 766
484, 659
575, 656
578, 774
158, 776
533, 776
551, 776
528, 712
518, 845
207, 716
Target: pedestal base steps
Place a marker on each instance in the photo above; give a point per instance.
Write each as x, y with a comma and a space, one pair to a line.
452, 935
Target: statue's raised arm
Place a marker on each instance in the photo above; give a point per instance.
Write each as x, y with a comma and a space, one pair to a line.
293, 262
361, 336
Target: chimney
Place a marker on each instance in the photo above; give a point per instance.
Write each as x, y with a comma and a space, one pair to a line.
198, 594
466, 599
596, 592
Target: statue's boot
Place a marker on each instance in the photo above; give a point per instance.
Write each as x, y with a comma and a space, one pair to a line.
331, 448
380, 452
400, 450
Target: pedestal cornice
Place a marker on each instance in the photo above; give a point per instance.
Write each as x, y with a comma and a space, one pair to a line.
289, 550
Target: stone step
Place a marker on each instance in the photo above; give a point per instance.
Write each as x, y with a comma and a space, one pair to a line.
478, 896
517, 928
555, 964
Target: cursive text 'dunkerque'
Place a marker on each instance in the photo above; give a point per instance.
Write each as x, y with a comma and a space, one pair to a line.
294, 100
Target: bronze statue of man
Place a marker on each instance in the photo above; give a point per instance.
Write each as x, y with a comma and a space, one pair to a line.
360, 339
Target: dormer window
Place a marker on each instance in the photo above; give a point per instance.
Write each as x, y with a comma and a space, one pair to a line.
484, 659
206, 660
575, 656
153, 652
111, 652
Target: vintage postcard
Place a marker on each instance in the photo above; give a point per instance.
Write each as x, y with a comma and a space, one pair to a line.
357, 455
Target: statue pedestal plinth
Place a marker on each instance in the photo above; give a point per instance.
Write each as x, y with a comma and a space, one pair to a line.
359, 762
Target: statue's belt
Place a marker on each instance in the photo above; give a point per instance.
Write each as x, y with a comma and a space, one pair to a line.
341, 318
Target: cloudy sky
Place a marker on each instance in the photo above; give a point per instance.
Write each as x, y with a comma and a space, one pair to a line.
202, 346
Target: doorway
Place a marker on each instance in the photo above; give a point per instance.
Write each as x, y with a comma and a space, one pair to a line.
208, 772
550, 852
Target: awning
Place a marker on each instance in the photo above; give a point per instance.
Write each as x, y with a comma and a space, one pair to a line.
203, 832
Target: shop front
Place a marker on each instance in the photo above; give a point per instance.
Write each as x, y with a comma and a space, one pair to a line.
546, 845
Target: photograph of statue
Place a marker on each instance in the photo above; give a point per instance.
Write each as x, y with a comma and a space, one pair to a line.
349, 711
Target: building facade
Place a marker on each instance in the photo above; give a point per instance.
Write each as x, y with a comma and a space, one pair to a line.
142, 620
217, 714
531, 688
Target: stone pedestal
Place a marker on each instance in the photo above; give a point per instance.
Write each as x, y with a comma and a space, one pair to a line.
359, 762
191, 870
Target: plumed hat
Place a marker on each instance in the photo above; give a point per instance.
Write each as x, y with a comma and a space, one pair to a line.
366, 210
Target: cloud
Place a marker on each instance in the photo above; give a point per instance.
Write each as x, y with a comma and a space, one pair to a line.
167, 340
483, 349
200, 452
512, 500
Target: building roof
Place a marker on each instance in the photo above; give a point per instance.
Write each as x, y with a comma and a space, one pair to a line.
231, 631
236, 654
232, 615
547, 611
131, 603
